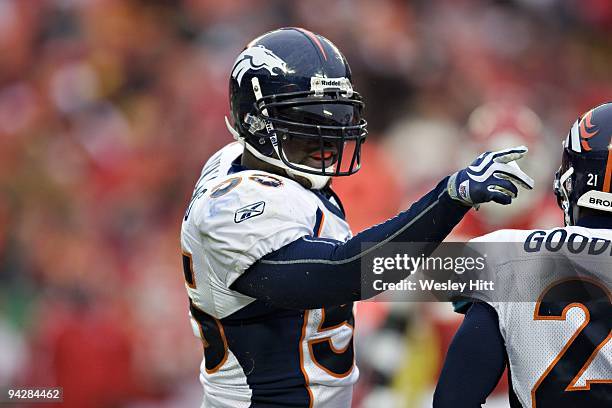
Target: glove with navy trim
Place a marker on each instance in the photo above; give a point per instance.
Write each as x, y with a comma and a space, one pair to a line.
493, 176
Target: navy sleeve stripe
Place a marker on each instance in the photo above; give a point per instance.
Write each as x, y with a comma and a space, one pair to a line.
290, 254
335, 209
310, 272
331, 242
320, 219
360, 254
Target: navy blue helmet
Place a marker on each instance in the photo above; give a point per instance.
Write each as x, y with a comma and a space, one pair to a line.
293, 85
585, 176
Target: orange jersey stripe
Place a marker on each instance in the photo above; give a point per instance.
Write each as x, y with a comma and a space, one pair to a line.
608, 177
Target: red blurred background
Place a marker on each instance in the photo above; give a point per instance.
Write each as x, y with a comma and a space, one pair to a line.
109, 108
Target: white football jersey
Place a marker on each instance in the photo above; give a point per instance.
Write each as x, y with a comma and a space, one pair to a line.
255, 353
558, 342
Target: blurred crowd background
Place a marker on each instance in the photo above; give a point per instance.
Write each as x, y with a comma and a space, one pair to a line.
109, 108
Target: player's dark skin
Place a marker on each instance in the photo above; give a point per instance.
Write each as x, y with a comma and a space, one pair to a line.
307, 153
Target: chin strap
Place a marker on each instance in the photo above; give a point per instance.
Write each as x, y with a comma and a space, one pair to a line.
317, 182
233, 131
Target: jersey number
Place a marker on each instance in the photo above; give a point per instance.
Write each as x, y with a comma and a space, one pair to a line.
188, 270
556, 387
213, 339
335, 362
211, 330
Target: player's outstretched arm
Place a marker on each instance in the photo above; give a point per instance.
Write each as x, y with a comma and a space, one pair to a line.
474, 362
313, 272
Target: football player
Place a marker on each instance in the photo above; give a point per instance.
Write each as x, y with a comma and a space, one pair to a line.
271, 266
557, 342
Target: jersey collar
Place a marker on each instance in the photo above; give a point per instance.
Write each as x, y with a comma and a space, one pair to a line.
338, 210
237, 166
326, 200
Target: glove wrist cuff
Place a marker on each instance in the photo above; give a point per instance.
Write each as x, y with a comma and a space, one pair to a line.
451, 187
453, 191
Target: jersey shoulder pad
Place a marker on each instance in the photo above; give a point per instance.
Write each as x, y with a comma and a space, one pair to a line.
503, 235
245, 216
249, 194
498, 246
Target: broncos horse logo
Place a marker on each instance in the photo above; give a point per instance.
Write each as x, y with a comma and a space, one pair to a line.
256, 58
587, 130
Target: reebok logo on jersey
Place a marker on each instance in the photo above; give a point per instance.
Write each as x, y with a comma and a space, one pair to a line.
249, 211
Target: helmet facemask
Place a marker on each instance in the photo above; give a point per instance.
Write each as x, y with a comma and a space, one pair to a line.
314, 136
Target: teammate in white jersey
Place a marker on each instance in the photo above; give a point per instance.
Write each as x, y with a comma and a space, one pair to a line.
271, 266
555, 336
